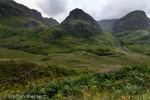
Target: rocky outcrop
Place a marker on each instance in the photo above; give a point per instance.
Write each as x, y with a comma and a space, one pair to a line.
79, 14
79, 22
30, 24
51, 21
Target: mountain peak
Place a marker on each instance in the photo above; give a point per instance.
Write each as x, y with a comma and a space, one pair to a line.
137, 13
77, 10
80, 22
79, 14
132, 21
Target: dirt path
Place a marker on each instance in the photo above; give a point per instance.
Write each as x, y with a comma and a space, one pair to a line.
127, 51
132, 54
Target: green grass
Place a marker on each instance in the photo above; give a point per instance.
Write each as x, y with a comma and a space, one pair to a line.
88, 61
73, 60
136, 41
80, 60
111, 96
16, 54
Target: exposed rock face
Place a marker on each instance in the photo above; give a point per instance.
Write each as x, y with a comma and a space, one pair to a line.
80, 22
6, 9
132, 21
10, 8
30, 24
79, 14
51, 21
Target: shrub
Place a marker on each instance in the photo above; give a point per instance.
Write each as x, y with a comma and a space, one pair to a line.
131, 80
101, 52
22, 71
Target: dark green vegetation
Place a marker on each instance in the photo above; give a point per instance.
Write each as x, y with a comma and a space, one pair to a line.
22, 71
127, 81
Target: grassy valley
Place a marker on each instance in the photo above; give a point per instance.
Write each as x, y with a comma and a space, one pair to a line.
136, 41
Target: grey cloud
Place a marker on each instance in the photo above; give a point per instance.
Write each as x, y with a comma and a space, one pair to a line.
99, 9
53, 7
119, 8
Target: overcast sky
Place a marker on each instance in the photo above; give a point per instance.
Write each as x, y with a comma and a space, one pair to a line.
99, 9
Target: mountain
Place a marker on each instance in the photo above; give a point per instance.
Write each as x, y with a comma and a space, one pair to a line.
78, 32
107, 25
133, 21
79, 14
133, 31
80, 23
9, 9
50, 21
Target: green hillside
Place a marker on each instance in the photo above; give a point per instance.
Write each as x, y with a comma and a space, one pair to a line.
132, 31
73, 34
136, 20
7, 54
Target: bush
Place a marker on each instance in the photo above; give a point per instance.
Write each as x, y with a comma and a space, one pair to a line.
101, 52
131, 80
22, 71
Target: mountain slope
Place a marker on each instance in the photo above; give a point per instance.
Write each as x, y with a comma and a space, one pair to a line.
135, 20
80, 23
9, 9
78, 32
133, 32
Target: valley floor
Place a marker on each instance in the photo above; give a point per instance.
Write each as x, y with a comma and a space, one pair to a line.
86, 76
